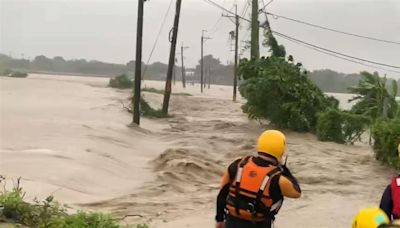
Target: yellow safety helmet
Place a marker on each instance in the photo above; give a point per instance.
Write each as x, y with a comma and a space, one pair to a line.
370, 218
272, 142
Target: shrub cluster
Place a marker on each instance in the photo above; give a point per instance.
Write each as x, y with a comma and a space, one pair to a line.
386, 135
341, 126
48, 213
121, 82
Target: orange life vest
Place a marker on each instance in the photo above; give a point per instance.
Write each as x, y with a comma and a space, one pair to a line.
249, 196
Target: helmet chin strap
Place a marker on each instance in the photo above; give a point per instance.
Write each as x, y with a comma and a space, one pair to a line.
269, 158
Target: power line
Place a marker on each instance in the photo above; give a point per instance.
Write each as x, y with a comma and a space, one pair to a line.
303, 42
265, 5
215, 25
219, 6
266, 15
158, 36
330, 29
245, 8
340, 57
335, 52
214, 28
217, 22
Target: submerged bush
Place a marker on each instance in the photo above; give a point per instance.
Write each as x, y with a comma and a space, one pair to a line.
121, 82
386, 134
13, 74
161, 91
146, 110
17, 74
340, 126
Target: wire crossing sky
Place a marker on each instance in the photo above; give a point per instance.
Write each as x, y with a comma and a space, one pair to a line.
105, 30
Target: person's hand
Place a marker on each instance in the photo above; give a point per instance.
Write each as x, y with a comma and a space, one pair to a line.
285, 170
220, 225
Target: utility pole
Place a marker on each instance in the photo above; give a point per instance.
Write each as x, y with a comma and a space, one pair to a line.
171, 63
236, 56
138, 66
209, 77
202, 61
255, 31
236, 37
174, 72
183, 67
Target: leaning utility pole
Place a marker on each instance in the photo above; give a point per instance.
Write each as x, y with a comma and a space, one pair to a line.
255, 31
138, 65
183, 67
202, 61
171, 63
174, 72
236, 56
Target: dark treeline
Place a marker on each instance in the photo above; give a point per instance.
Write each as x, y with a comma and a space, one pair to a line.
332, 81
214, 70
58, 65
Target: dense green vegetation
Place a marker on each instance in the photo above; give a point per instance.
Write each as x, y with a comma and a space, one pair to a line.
278, 90
47, 213
281, 91
386, 135
121, 82
341, 126
375, 97
377, 101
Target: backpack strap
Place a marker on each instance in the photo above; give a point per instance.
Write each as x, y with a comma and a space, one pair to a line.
260, 192
239, 173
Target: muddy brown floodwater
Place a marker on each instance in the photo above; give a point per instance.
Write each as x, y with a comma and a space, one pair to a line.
68, 136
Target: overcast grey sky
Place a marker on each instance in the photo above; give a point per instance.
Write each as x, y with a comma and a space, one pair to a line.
105, 29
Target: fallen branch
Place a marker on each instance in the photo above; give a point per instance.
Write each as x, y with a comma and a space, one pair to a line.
126, 108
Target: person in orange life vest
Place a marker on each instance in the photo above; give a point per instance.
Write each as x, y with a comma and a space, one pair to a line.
390, 202
253, 187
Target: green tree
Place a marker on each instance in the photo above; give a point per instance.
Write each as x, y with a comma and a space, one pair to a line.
374, 98
281, 92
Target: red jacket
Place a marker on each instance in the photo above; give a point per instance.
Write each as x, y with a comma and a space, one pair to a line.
395, 187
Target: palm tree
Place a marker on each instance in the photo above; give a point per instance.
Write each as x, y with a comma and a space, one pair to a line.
375, 100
